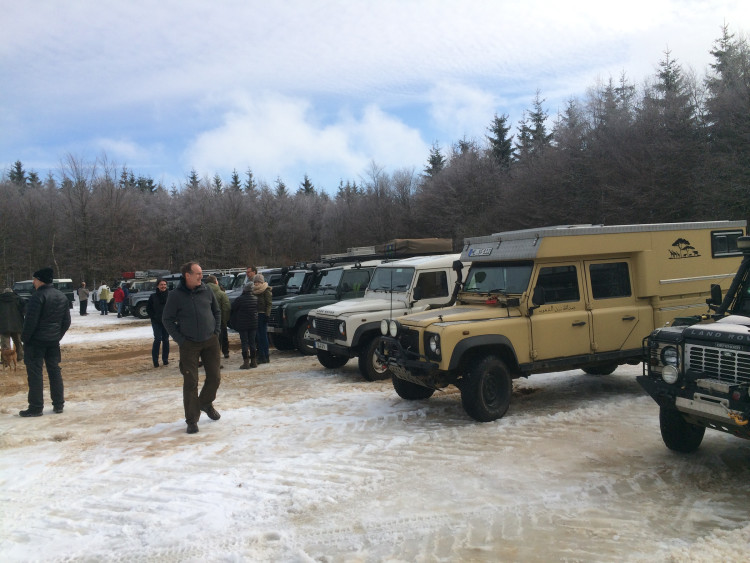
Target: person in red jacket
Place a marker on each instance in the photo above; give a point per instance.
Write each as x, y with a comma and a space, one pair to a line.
119, 296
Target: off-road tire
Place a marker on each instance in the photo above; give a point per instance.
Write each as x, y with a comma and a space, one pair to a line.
304, 345
678, 435
141, 311
411, 391
369, 365
487, 389
604, 369
331, 361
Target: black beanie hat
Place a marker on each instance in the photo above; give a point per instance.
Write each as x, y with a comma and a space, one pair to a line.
44, 275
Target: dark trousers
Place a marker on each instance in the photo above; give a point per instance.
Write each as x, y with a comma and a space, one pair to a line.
35, 356
262, 335
161, 340
224, 339
208, 352
247, 340
84, 305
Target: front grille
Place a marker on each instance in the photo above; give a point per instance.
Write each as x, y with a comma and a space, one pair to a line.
275, 318
409, 340
729, 366
327, 328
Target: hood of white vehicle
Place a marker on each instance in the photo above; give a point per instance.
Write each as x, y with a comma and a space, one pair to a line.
360, 305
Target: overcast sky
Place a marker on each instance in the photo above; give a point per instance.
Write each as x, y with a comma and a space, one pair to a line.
313, 87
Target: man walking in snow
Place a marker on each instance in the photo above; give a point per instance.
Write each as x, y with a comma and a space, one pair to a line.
192, 318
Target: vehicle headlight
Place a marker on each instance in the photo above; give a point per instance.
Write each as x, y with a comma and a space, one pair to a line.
313, 322
342, 328
394, 328
670, 356
384, 327
433, 344
670, 374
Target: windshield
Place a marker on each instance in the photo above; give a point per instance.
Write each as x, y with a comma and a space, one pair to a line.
328, 281
509, 277
383, 279
294, 283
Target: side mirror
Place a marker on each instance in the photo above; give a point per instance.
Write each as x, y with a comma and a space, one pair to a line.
537, 298
715, 294
417, 293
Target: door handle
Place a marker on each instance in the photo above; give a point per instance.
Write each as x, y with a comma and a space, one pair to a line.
628, 318
579, 323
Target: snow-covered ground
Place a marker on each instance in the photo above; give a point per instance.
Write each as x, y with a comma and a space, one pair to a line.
308, 464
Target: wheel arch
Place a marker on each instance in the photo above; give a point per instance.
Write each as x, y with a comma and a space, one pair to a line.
496, 344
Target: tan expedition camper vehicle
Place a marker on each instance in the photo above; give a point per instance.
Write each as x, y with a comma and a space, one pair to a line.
557, 298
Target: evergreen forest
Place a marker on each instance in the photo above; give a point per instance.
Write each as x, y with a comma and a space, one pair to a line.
675, 148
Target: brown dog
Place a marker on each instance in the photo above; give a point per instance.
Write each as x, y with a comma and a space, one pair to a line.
9, 357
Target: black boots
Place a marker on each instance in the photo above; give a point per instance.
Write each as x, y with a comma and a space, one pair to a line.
30, 412
245, 362
211, 412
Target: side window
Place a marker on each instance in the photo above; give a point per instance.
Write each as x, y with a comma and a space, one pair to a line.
724, 243
609, 280
360, 280
433, 284
560, 284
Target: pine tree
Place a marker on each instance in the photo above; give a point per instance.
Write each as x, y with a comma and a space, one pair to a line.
306, 187
251, 186
281, 191
194, 181
217, 184
436, 161
501, 145
235, 185
18, 174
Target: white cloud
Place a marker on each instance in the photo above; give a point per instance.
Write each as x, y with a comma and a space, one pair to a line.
277, 135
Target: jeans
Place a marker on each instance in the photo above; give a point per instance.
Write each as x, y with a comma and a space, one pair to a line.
34, 356
160, 336
120, 306
84, 305
208, 352
247, 339
262, 335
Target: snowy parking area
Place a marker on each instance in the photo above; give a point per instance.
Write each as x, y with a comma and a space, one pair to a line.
309, 464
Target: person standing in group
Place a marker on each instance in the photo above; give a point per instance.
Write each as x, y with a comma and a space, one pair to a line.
11, 321
193, 320
47, 320
104, 296
225, 306
119, 295
244, 319
155, 309
83, 299
265, 297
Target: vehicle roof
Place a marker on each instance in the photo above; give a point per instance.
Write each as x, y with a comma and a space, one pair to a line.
439, 261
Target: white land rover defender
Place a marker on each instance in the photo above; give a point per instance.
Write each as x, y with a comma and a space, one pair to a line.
351, 328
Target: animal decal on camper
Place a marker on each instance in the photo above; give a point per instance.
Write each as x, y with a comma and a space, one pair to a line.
684, 250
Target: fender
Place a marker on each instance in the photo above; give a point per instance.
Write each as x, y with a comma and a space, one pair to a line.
363, 330
467, 344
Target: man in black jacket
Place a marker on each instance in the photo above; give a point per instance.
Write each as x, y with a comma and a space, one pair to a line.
47, 320
193, 319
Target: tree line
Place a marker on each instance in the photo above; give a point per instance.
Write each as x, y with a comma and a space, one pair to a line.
676, 148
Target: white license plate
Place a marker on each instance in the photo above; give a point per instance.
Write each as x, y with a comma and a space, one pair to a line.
321, 345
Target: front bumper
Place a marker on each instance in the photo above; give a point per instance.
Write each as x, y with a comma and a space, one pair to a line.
333, 348
707, 402
408, 365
